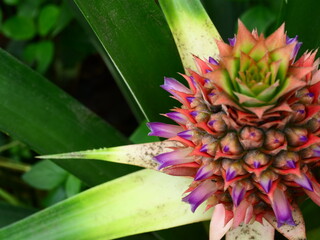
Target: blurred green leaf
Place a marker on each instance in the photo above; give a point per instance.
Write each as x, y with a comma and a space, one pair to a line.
11, 2
29, 8
10, 214
41, 115
138, 40
54, 196
19, 28
0, 17
64, 18
139, 202
302, 19
140, 135
39, 53
45, 175
48, 18
73, 185
259, 17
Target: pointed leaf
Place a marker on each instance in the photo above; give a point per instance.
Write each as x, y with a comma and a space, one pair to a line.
192, 29
38, 113
137, 154
140, 202
135, 36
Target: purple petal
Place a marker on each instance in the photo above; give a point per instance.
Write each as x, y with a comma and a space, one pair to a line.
194, 113
171, 85
256, 164
186, 134
177, 117
211, 122
226, 149
237, 195
200, 194
291, 164
204, 148
213, 61
204, 172
266, 184
297, 46
304, 182
291, 40
190, 99
230, 174
303, 138
232, 41
281, 208
163, 130
173, 158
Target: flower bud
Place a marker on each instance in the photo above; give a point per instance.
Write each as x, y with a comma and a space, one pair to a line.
314, 124
216, 123
266, 179
274, 139
256, 159
230, 144
299, 112
304, 96
251, 137
233, 169
286, 160
296, 136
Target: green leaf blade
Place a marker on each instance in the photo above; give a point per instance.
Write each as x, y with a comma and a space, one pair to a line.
49, 121
99, 213
139, 43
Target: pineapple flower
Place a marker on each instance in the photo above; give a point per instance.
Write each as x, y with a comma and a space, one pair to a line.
248, 130
247, 133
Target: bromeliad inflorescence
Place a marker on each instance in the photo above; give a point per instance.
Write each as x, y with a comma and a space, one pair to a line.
249, 129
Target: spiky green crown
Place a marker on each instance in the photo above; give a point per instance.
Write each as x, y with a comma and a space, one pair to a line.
255, 71
249, 129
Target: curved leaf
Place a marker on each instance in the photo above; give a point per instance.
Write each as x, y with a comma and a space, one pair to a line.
192, 29
139, 43
112, 210
41, 115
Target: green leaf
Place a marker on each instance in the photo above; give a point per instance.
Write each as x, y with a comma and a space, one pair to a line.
136, 154
11, 2
19, 28
259, 17
48, 18
140, 202
40, 53
45, 175
10, 214
139, 43
29, 8
54, 196
41, 115
73, 185
0, 17
64, 18
192, 29
302, 19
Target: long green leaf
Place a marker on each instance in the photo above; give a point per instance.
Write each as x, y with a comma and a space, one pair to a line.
302, 19
140, 202
139, 43
192, 29
38, 113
